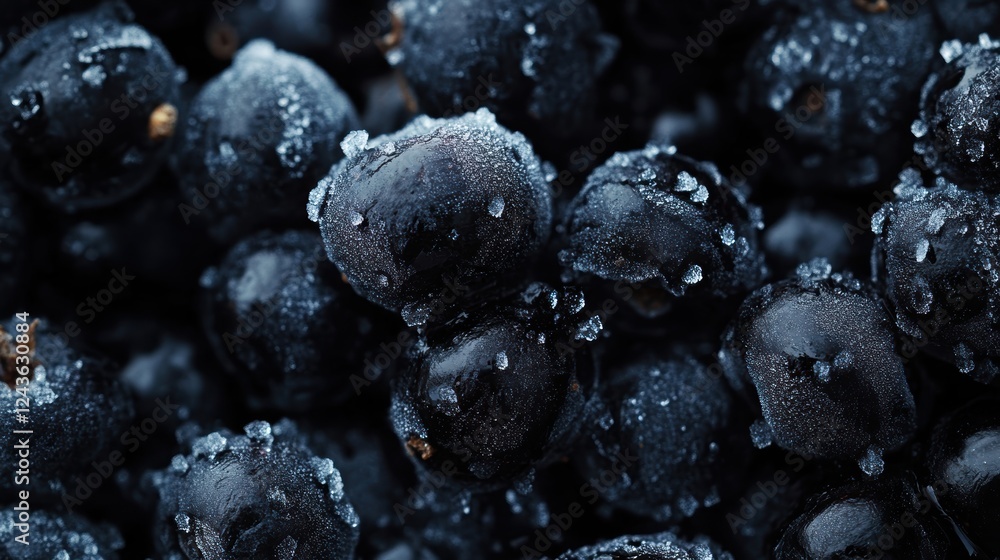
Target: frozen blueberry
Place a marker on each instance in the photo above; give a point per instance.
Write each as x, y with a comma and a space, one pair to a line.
662, 546
498, 390
888, 519
88, 110
50, 535
427, 215
300, 26
964, 465
819, 352
667, 223
257, 496
936, 257
835, 87
666, 430
259, 137
956, 131
802, 234
283, 323
535, 63
15, 247
77, 409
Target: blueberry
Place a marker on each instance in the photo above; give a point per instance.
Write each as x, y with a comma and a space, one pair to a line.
302, 26
284, 324
802, 234
243, 170
956, 129
534, 63
662, 546
886, 519
964, 465
499, 390
420, 218
666, 223
666, 428
836, 86
935, 257
818, 351
255, 496
89, 108
60, 536
68, 387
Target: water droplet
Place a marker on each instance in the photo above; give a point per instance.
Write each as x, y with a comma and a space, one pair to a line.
872, 463
183, 522
354, 143
693, 275
728, 235
496, 206
356, 218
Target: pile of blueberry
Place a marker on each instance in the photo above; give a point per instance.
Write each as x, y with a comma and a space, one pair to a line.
512, 279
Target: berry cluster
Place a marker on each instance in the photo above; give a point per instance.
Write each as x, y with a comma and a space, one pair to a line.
457, 279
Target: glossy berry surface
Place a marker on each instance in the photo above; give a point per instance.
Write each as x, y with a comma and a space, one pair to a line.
666, 222
526, 61
964, 465
500, 390
818, 351
70, 387
90, 106
425, 215
283, 323
665, 417
936, 255
888, 519
243, 169
956, 129
836, 84
257, 496
662, 546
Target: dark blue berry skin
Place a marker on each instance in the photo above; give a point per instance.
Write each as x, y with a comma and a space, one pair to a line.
424, 217
662, 546
499, 390
818, 351
888, 519
964, 471
62, 83
968, 19
936, 257
15, 248
78, 410
836, 84
664, 225
257, 496
285, 325
259, 137
956, 131
531, 64
23, 18
53, 534
674, 429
